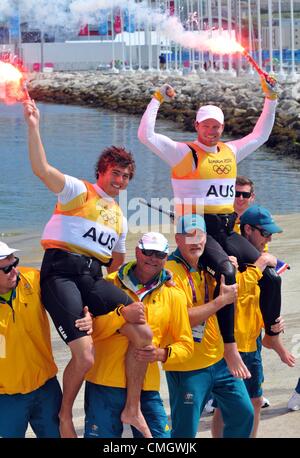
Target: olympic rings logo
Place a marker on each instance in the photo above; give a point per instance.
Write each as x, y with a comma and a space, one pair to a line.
108, 216
222, 169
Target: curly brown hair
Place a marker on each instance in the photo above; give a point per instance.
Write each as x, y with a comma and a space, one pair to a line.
113, 156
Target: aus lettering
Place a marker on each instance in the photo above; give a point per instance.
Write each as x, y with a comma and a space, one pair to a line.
103, 238
221, 191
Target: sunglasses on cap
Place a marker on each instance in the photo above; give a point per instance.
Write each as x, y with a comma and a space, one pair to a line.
262, 232
245, 194
8, 269
157, 254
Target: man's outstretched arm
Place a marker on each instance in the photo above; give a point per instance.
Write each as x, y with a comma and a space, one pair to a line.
263, 128
168, 150
50, 176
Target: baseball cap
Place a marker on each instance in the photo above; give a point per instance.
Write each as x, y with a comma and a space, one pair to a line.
260, 216
154, 241
210, 112
5, 250
190, 222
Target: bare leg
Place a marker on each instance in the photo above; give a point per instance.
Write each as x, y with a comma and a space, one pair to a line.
234, 361
139, 336
275, 343
257, 403
217, 424
81, 361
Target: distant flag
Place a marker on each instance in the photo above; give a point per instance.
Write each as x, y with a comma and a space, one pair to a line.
172, 8
129, 21
84, 31
14, 27
103, 23
117, 21
281, 267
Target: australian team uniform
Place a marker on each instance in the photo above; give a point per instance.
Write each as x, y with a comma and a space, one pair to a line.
85, 228
105, 394
248, 324
203, 181
190, 383
29, 390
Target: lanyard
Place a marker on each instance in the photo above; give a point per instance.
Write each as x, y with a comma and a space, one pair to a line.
146, 288
192, 285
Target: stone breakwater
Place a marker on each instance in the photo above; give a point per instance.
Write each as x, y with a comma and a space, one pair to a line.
240, 98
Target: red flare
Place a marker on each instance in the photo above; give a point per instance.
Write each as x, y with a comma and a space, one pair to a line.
268, 78
12, 84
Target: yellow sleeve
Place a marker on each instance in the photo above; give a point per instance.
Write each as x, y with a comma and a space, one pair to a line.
106, 325
182, 345
247, 280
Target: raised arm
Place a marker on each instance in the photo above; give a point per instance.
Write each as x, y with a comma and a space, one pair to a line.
50, 176
168, 150
263, 128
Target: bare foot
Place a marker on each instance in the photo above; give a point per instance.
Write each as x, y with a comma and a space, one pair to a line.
234, 361
66, 428
137, 420
275, 343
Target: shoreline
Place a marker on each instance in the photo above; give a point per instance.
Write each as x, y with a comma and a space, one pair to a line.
241, 99
28, 241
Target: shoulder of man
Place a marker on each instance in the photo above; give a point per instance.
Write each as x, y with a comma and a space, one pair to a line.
112, 277
176, 293
29, 278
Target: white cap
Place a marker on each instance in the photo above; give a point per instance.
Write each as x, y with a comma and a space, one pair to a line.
6, 251
154, 241
210, 112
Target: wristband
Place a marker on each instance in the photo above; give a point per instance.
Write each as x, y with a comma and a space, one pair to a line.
158, 96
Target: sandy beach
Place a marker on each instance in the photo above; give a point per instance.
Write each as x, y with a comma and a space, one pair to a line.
280, 380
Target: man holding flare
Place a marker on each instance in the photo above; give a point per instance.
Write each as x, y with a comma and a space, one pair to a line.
203, 175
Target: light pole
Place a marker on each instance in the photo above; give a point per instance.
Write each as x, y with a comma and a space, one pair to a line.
270, 20
259, 34
113, 68
281, 71
42, 48
200, 20
294, 77
220, 33
250, 69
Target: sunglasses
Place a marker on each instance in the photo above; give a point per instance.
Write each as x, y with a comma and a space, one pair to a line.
157, 254
245, 194
8, 269
262, 232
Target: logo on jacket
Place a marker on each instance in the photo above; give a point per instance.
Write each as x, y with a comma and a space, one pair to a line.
222, 169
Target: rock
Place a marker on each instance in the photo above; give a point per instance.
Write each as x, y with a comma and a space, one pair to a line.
240, 98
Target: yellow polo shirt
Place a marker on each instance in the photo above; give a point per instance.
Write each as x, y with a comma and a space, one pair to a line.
210, 350
166, 312
26, 360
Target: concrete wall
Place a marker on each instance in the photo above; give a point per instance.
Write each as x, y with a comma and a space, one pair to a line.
83, 55
71, 56
7, 48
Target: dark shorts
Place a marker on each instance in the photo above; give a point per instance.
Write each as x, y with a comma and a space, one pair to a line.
39, 408
103, 407
68, 283
253, 361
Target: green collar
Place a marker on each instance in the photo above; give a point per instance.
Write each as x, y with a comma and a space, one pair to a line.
177, 257
128, 279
